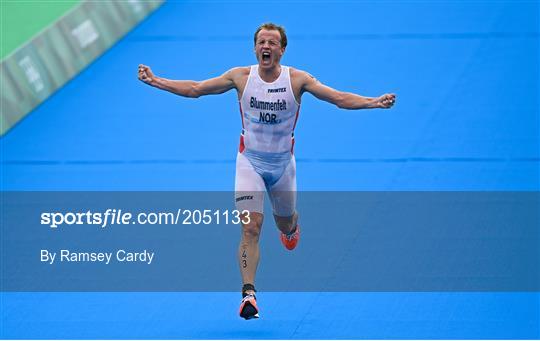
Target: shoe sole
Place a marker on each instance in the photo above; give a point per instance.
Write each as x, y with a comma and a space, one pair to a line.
249, 312
284, 243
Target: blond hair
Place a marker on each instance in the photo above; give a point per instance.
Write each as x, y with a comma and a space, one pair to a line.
271, 27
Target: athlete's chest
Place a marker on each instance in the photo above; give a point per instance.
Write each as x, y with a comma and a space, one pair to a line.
282, 90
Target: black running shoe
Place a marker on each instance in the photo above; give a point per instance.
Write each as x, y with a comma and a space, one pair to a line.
248, 307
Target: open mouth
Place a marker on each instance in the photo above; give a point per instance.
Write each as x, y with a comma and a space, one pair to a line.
266, 56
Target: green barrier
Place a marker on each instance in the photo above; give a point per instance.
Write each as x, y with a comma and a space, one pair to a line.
21, 20
32, 73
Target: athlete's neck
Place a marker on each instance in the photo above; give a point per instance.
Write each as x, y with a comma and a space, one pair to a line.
269, 75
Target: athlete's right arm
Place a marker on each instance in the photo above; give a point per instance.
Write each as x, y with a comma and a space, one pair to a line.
186, 88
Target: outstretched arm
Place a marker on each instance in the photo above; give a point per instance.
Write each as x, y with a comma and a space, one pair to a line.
345, 100
187, 88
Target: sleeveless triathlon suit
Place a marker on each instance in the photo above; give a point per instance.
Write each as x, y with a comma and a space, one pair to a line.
265, 161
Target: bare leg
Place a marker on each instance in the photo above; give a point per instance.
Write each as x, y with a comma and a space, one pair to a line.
286, 224
248, 251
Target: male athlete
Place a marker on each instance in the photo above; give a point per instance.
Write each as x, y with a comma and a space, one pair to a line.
269, 94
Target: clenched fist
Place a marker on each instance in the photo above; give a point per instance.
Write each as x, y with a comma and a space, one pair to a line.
386, 101
145, 74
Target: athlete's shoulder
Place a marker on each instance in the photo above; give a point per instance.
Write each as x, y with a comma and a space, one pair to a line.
301, 76
237, 75
239, 71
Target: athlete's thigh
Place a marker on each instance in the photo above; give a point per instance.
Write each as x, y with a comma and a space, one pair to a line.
283, 193
249, 187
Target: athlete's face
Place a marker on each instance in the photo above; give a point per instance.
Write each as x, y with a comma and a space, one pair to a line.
268, 48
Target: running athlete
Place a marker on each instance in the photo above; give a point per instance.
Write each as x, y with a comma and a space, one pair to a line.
270, 95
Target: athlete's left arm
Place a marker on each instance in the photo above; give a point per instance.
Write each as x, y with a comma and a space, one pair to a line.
344, 100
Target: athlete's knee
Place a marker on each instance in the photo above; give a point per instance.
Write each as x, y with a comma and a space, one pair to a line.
252, 229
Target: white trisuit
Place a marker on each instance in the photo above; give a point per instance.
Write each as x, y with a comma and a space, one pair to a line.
265, 160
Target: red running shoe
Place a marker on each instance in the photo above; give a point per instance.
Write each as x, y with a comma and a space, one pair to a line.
290, 240
248, 307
